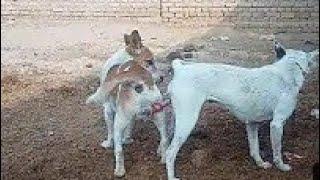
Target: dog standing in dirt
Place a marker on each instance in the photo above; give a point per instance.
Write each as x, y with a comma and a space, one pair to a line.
134, 50
128, 91
252, 95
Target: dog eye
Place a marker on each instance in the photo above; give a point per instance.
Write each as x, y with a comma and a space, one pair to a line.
150, 62
138, 88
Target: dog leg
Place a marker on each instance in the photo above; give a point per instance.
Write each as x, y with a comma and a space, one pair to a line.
283, 110
159, 121
186, 117
120, 124
108, 117
253, 139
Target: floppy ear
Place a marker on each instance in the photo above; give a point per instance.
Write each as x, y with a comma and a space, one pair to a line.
279, 49
136, 38
126, 39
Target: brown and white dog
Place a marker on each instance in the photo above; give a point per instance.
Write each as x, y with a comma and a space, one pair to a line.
134, 50
132, 94
128, 90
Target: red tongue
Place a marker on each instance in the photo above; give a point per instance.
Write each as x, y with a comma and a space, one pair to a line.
157, 106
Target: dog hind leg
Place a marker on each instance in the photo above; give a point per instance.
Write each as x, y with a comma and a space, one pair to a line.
186, 117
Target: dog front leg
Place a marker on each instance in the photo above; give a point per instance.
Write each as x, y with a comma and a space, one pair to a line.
127, 133
253, 139
159, 121
120, 124
283, 110
276, 132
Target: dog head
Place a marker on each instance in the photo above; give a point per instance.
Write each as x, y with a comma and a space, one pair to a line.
279, 50
134, 86
146, 60
305, 60
142, 54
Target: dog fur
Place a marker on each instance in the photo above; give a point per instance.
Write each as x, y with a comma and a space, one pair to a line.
253, 95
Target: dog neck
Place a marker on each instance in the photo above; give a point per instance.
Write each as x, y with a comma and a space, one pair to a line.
299, 77
301, 69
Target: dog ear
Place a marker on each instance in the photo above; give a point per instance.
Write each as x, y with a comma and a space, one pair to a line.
136, 38
279, 49
126, 39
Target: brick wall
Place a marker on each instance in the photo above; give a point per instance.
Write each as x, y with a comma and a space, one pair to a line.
296, 15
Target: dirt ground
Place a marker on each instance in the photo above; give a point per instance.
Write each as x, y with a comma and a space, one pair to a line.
48, 68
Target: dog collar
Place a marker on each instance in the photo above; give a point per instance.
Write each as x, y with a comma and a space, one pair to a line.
301, 69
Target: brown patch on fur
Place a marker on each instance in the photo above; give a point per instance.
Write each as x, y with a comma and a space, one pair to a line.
126, 74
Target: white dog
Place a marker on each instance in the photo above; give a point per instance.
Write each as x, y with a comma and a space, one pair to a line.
252, 95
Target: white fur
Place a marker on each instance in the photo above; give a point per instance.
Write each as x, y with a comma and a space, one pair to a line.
252, 95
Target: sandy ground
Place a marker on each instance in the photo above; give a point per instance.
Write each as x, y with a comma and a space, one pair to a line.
47, 132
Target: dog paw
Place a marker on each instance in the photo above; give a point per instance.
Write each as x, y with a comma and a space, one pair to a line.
119, 172
107, 144
127, 141
265, 165
283, 167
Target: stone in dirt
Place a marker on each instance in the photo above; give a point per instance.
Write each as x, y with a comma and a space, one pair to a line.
89, 65
224, 38
268, 37
315, 113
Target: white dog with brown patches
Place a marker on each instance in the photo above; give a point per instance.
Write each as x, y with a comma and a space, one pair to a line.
128, 91
252, 95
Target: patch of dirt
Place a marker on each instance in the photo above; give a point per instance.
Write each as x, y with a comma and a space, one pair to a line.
47, 131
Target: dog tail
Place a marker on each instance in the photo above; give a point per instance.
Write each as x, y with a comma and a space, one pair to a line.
98, 98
